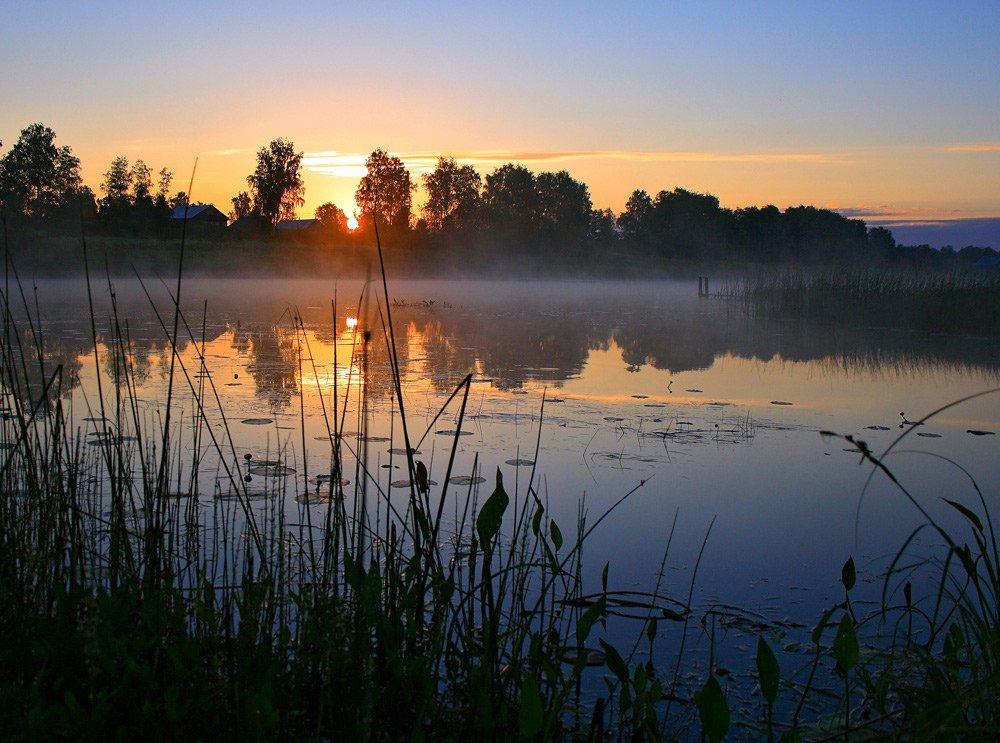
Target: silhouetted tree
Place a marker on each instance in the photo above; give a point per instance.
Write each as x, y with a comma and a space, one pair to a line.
881, 242
603, 226
37, 178
165, 178
452, 195
331, 217
685, 224
564, 206
634, 221
117, 183
242, 206
762, 233
824, 235
510, 197
385, 191
276, 184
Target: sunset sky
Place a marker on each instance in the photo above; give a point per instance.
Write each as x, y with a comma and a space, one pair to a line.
885, 110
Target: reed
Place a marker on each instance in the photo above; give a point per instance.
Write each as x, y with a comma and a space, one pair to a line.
932, 301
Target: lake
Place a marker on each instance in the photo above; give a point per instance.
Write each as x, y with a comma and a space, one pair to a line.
710, 412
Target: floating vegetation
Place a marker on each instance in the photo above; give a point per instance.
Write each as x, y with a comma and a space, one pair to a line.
452, 432
466, 480
520, 462
694, 390
613, 419
271, 470
780, 402
257, 421
641, 397
928, 435
979, 432
325, 479
402, 452
877, 428
406, 483
315, 498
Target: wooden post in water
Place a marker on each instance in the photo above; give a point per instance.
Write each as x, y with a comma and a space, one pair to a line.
703, 286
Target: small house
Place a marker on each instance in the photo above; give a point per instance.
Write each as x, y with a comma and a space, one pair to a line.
297, 225
201, 214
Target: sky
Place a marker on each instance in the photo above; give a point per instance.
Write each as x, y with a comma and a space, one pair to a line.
889, 111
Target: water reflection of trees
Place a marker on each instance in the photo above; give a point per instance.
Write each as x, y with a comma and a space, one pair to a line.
272, 354
546, 332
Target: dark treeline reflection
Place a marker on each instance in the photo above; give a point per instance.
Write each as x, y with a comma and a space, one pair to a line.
509, 332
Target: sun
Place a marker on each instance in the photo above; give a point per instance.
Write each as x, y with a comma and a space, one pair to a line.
352, 223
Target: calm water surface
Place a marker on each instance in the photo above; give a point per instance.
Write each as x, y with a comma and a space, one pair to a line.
714, 412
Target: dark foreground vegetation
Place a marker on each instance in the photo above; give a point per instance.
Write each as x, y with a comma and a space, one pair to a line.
129, 610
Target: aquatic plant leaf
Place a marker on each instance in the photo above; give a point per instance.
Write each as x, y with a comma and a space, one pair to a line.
557, 538
767, 670
491, 514
536, 520
848, 575
817, 632
970, 515
845, 644
604, 578
615, 663
587, 620
712, 710
529, 718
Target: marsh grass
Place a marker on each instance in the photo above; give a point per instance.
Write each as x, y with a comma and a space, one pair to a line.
136, 603
931, 301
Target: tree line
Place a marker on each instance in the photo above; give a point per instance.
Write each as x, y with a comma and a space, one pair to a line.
511, 210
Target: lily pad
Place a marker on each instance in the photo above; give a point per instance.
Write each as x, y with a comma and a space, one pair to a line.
257, 421
271, 470
781, 402
978, 432
520, 462
467, 480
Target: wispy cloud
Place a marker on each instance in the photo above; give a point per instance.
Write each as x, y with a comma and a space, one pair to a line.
891, 216
974, 147
352, 165
224, 153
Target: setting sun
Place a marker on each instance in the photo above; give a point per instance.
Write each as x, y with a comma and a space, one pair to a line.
352, 223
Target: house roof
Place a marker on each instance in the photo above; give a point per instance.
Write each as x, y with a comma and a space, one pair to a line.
194, 210
296, 224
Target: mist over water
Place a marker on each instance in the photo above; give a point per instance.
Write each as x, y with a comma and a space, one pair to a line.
712, 412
